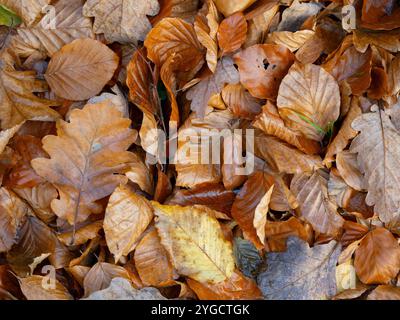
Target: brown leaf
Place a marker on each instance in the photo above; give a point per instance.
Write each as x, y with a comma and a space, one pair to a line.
350, 65
292, 40
240, 102
12, 214
184, 9
127, 217
140, 173
86, 159
346, 163
69, 24
229, 7
314, 203
377, 259
388, 40
352, 231
260, 214
100, 275
28, 10
237, 287
80, 69
201, 93
34, 239
262, 68
283, 157
163, 187
175, 36
17, 96
309, 92
379, 84
271, 123
277, 232
385, 292
121, 21
373, 10
152, 261
206, 31
377, 146
83, 234
345, 134
232, 33
34, 288
246, 202
214, 196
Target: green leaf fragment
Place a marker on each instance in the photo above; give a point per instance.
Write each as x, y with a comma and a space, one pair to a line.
8, 17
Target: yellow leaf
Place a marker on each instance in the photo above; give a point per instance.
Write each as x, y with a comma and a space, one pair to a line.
195, 242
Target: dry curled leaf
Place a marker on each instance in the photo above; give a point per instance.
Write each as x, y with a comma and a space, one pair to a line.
80, 69
17, 88
127, 217
86, 159
195, 242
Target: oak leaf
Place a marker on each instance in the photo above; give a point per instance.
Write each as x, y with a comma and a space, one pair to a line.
377, 148
86, 159
300, 273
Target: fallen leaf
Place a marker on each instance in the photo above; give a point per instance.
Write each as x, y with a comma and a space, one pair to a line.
69, 24
195, 243
34, 288
17, 96
12, 214
229, 7
304, 103
80, 69
385, 292
271, 123
377, 259
201, 93
214, 196
237, 287
232, 33
262, 68
100, 276
260, 214
83, 234
277, 233
121, 289
294, 16
121, 21
85, 159
300, 273
283, 157
240, 102
184, 9
314, 203
388, 40
127, 217
292, 40
152, 261
346, 163
373, 10
376, 147
28, 10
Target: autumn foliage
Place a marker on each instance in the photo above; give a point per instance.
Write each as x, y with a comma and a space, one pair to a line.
88, 198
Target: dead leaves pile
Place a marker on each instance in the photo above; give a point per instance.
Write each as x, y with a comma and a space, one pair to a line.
81, 91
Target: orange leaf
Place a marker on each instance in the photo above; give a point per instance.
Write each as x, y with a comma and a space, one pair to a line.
232, 33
